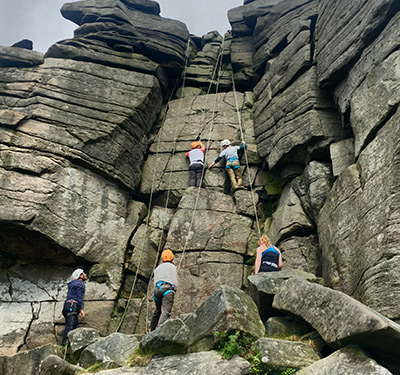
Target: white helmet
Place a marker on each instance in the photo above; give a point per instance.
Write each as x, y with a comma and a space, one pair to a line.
225, 142
77, 273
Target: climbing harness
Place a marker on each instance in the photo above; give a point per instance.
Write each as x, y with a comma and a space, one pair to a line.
232, 163
158, 288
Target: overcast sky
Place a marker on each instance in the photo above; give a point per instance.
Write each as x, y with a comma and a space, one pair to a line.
41, 20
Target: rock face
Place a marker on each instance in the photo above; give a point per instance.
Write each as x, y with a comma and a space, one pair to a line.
93, 173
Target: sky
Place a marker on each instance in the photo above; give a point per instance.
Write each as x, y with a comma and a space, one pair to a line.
41, 20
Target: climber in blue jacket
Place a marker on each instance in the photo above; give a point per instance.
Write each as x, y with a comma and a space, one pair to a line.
73, 305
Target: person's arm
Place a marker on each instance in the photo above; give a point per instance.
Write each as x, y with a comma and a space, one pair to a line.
215, 161
257, 264
280, 262
202, 147
81, 314
187, 154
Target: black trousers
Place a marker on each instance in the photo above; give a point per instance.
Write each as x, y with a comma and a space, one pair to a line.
70, 312
195, 172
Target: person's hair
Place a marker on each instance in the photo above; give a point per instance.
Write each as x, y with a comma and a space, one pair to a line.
265, 240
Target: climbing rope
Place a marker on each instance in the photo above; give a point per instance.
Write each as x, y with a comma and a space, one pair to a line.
246, 156
217, 68
152, 193
170, 176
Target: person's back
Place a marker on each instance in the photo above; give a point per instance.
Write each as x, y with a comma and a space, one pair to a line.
166, 272
165, 283
270, 260
196, 163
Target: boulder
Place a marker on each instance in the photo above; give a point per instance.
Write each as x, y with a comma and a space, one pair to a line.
202, 272
340, 319
54, 365
285, 326
227, 310
27, 362
80, 338
264, 285
278, 355
172, 337
19, 57
129, 27
348, 360
24, 43
203, 363
116, 347
344, 31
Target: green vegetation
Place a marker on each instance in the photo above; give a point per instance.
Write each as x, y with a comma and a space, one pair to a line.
288, 371
139, 358
241, 344
273, 183
93, 369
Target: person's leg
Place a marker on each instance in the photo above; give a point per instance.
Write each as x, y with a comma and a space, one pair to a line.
192, 176
166, 307
239, 176
156, 316
199, 172
70, 312
231, 175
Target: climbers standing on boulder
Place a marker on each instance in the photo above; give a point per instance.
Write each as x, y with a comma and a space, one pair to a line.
73, 305
196, 159
268, 258
232, 166
165, 283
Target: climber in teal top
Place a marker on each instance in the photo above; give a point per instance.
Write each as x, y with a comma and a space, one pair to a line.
268, 258
230, 153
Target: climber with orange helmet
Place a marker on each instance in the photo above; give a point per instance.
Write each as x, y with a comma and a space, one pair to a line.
165, 282
232, 166
196, 159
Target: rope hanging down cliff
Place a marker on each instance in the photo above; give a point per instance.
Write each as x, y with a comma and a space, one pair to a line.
153, 188
246, 156
217, 69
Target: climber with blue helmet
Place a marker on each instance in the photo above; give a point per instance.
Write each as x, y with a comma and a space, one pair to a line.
165, 283
73, 305
232, 166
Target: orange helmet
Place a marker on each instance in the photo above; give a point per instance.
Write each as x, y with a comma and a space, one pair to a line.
194, 144
167, 255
